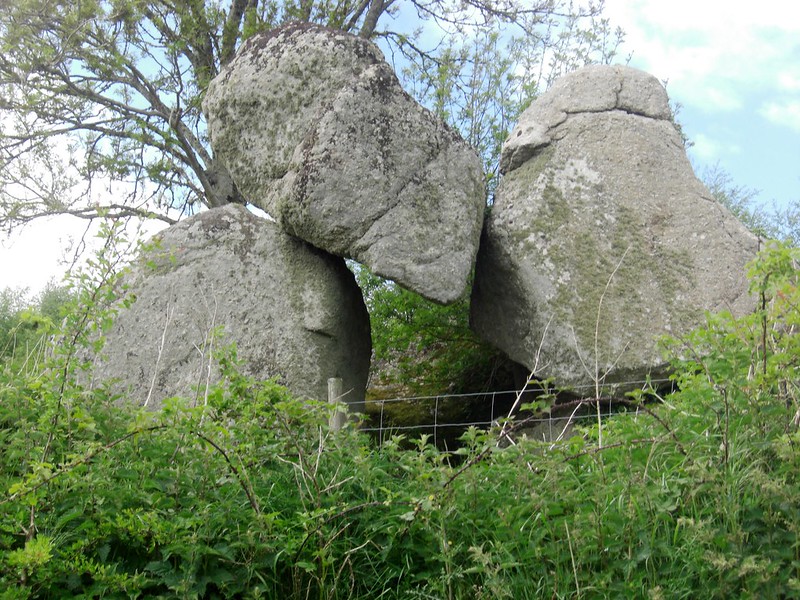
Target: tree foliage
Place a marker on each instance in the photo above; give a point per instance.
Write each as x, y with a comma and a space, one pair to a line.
25, 323
740, 200
420, 347
777, 222
100, 100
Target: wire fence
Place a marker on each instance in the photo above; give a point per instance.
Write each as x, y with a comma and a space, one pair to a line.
445, 416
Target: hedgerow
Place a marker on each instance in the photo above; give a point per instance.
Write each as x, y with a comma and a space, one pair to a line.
249, 494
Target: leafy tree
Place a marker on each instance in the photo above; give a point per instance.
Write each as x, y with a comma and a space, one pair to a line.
25, 323
481, 79
778, 222
100, 100
740, 200
53, 300
787, 220
12, 302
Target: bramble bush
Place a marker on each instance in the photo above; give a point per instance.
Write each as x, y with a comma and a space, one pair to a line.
250, 495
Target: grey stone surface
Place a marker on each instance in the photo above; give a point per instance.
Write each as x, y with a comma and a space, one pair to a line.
293, 311
601, 239
315, 128
593, 89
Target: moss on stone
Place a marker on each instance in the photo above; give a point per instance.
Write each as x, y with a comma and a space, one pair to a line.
580, 241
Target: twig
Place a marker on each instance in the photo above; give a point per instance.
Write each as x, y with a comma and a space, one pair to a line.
503, 431
567, 424
572, 558
597, 378
339, 515
170, 313
625, 443
245, 486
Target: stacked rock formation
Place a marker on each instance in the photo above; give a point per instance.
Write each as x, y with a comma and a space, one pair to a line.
315, 128
601, 239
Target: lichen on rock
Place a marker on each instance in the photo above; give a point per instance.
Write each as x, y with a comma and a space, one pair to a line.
315, 128
601, 239
293, 311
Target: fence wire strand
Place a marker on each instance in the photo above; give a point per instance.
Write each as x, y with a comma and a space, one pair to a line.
436, 402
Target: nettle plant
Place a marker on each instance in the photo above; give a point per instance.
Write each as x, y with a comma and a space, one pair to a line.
250, 494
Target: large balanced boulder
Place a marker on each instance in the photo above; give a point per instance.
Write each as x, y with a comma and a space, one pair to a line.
601, 239
223, 276
315, 128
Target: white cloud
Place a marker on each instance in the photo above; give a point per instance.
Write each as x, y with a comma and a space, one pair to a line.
789, 81
705, 148
38, 253
717, 98
702, 44
784, 113
709, 150
45, 249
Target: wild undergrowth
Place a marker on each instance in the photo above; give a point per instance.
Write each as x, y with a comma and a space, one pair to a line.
252, 496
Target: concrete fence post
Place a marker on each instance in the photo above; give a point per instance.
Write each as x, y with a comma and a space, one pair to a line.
338, 418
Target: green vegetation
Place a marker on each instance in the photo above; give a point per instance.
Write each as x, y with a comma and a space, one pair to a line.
25, 324
251, 495
421, 347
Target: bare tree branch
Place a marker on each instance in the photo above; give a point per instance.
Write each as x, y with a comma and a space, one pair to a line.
376, 9
230, 33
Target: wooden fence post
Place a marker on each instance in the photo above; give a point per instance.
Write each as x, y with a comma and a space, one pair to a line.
338, 418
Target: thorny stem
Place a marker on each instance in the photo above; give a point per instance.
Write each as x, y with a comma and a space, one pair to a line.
245, 485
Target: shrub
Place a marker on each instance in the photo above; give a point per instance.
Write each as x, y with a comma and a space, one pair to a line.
251, 495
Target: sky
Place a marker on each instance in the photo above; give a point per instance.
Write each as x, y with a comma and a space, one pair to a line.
733, 68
